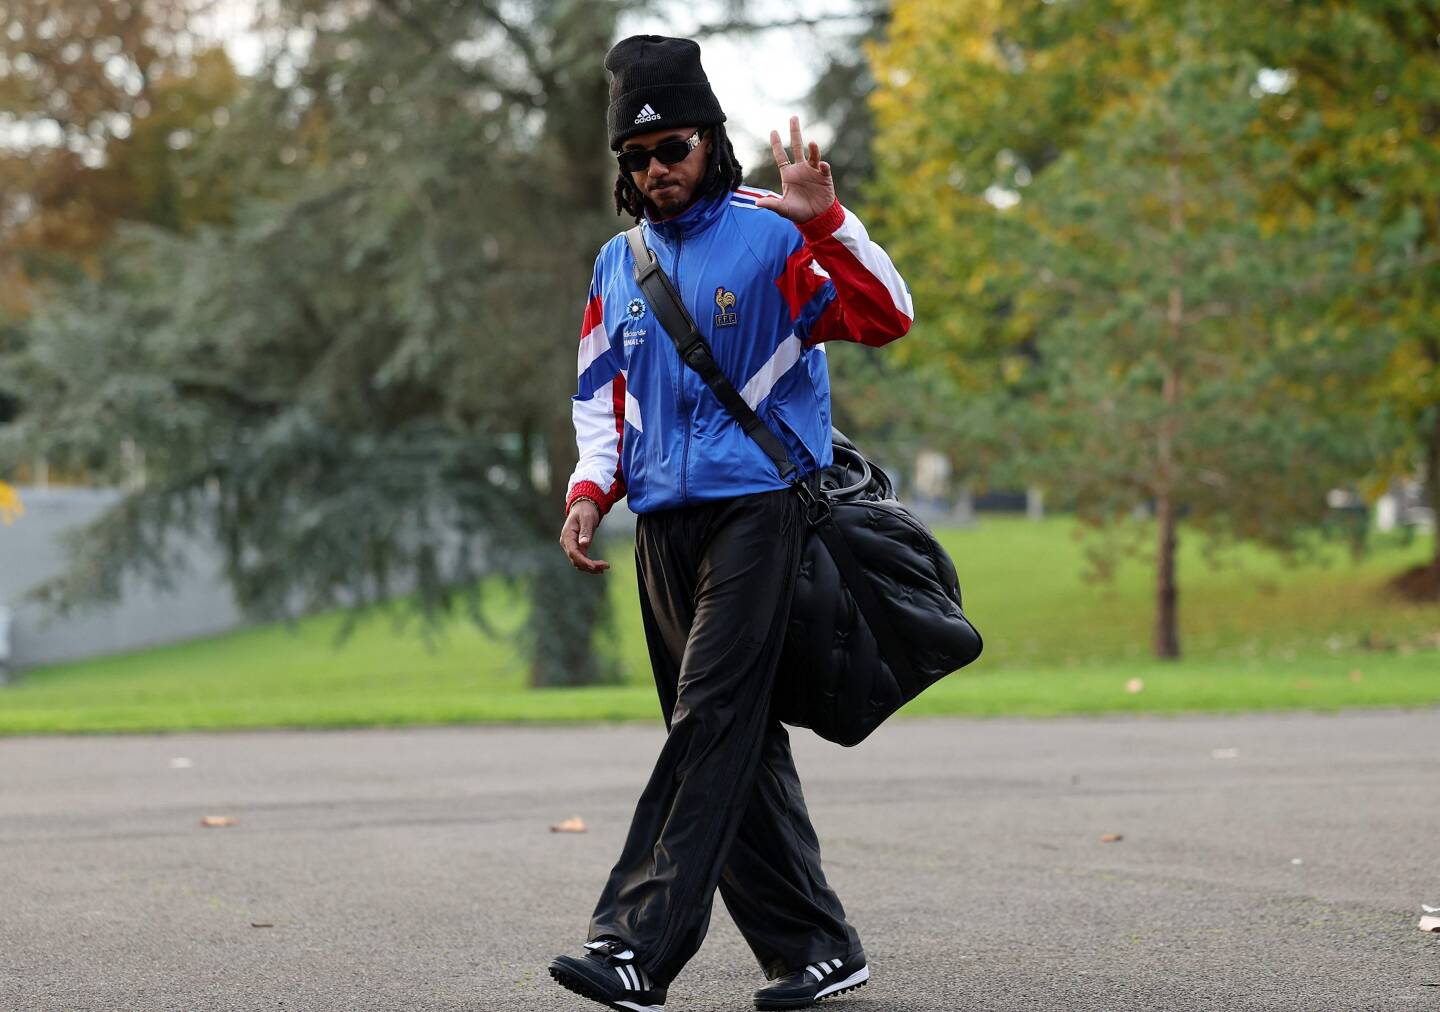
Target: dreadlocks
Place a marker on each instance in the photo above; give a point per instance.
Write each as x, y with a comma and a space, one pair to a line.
722, 175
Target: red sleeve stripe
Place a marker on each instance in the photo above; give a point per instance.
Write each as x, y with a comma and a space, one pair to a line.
799, 282
592, 346
872, 305
853, 236
617, 404
594, 315
870, 314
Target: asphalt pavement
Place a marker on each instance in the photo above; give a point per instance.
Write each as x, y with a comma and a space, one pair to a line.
1263, 862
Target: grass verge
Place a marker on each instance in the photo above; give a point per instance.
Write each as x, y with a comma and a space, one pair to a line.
1259, 635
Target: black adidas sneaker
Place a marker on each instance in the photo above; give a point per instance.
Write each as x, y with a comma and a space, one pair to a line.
607, 973
825, 979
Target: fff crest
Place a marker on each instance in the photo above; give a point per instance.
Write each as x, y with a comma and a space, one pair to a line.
726, 301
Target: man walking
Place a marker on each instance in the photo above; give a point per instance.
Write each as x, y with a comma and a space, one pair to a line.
768, 278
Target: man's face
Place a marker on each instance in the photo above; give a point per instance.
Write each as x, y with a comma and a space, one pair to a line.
670, 188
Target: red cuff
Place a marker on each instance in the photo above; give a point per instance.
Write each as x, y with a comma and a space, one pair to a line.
821, 226
588, 490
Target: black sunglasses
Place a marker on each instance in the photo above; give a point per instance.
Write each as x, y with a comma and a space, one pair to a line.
669, 152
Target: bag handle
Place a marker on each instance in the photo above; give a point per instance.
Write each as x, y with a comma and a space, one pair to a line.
678, 323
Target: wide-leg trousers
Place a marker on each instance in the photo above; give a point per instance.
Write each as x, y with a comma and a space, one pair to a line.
723, 806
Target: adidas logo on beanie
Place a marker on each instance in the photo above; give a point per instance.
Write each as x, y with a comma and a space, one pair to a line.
653, 72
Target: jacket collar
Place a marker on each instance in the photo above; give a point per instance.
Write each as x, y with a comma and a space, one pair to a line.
693, 220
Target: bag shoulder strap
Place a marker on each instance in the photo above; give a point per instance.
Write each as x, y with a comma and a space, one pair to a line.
680, 325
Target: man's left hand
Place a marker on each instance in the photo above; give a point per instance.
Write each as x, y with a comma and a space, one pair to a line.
806, 189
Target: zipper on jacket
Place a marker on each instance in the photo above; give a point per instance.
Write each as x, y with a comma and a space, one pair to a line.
690, 408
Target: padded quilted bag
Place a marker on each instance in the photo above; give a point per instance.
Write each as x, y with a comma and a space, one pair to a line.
853, 658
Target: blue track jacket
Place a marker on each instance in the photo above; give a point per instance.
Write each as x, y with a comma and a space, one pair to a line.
766, 295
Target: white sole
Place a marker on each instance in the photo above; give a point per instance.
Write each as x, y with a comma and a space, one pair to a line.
855, 978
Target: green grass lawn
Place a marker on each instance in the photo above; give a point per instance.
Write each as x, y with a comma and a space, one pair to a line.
1257, 635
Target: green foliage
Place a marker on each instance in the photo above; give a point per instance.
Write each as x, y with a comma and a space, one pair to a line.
361, 384
1358, 106
1078, 193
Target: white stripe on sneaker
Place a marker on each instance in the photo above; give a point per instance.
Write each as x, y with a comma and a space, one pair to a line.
837, 963
855, 978
624, 980
640, 1008
814, 972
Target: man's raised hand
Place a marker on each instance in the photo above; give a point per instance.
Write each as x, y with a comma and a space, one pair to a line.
806, 189
578, 532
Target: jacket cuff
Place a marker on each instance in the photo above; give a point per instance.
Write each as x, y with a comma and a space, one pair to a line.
593, 492
821, 226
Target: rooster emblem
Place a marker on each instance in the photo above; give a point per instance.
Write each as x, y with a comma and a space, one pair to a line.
726, 301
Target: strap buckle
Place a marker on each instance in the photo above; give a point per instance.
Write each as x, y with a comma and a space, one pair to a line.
816, 507
694, 351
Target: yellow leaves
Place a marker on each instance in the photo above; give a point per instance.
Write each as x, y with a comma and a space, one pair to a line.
11, 509
1411, 380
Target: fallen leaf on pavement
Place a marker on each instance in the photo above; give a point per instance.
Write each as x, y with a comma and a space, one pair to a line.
574, 824
1430, 924
213, 821
1112, 837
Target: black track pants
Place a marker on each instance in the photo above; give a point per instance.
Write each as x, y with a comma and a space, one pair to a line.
723, 805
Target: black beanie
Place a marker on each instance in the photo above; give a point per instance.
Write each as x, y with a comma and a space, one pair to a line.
657, 82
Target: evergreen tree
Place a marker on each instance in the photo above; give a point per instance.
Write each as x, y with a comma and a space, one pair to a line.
1079, 189
361, 385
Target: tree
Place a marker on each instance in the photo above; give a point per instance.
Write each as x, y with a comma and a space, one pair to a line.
361, 386
1356, 97
93, 96
1080, 187
101, 106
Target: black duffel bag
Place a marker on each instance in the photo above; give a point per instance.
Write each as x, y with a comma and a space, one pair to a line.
876, 618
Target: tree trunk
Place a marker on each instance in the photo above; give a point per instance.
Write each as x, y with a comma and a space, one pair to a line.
1432, 482
569, 612
1167, 630
1167, 592
567, 609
